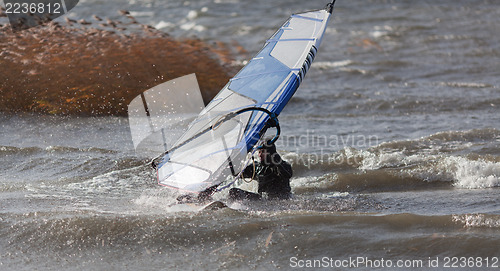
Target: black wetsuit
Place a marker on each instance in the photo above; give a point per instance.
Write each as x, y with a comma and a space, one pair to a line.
273, 179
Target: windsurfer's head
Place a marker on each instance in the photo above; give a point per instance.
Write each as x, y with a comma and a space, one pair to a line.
268, 146
268, 154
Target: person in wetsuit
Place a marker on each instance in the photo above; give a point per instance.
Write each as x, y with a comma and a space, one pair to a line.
272, 173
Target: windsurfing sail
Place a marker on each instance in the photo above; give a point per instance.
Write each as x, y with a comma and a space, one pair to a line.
214, 148
160, 115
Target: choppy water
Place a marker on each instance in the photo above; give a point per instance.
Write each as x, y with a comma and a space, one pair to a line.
393, 137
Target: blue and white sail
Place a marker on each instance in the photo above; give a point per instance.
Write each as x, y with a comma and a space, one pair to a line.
214, 148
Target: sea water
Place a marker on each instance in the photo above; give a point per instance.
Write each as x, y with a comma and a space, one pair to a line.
393, 136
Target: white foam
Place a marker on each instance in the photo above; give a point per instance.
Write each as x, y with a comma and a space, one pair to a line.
462, 171
307, 183
163, 24
160, 199
142, 13
244, 30
332, 64
192, 26
464, 84
110, 181
473, 173
377, 34
192, 14
477, 220
372, 161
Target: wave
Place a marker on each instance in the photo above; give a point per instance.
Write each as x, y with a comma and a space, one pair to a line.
466, 85
407, 220
175, 231
462, 159
10, 150
478, 220
60, 163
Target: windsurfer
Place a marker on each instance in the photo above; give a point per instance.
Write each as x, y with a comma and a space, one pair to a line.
272, 173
